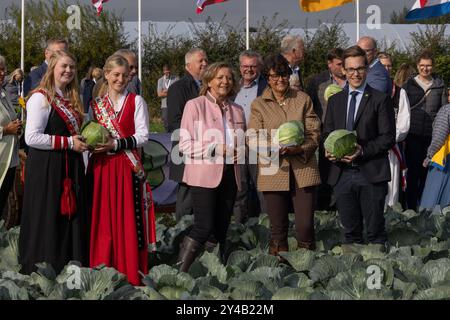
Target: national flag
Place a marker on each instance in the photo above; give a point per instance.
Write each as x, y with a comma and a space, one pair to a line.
98, 4
424, 9
319, 5
201, 4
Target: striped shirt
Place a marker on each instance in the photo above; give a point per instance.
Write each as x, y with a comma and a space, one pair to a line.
441, 130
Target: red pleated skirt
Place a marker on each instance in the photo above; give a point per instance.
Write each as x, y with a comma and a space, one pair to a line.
114, 240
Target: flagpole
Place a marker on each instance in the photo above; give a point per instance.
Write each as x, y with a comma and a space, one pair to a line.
22, 39
139, 40
247, 27
357, 20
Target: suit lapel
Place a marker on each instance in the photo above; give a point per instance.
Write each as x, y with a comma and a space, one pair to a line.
362, 105
342, 112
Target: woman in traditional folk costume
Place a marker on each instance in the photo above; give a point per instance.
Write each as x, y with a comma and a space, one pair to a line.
54, 226
436, 194
122, 211
10, 130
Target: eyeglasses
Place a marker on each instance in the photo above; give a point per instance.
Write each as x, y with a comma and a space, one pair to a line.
249, 67
353, 70
369, 50
275, 77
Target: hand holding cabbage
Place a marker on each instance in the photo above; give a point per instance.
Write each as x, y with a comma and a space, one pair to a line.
97, 137
290, 136
341, 145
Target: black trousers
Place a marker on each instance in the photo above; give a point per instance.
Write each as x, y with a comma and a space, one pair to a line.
184, 201
213, 208
359, 201
6, 188
249, 201
415, 152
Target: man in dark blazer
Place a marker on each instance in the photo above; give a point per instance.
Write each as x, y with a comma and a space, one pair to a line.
249, 202
179, 93
34, 78
360, 180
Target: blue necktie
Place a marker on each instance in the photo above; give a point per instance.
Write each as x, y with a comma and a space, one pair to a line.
351, 111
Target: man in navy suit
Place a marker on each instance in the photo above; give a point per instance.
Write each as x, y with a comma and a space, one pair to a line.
360, 180
377, 77
185, 89
34, 78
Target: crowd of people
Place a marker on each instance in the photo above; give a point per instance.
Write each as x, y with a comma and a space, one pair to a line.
93, 204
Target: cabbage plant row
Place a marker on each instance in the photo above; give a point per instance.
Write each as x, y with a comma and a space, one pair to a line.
416, 266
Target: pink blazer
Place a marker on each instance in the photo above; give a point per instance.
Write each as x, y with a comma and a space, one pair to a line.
202, 126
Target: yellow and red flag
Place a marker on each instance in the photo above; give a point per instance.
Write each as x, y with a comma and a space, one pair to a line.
319, 5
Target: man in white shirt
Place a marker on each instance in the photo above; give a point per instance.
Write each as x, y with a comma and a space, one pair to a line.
249, 202
163, 86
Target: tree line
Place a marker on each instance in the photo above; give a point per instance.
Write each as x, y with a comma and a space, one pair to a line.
99, 36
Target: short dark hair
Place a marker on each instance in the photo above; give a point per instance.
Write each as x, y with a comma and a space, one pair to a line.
278, 64
425, 55
335, 53
354, 51
55, 41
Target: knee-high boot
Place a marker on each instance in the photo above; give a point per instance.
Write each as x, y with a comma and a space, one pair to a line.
188, 251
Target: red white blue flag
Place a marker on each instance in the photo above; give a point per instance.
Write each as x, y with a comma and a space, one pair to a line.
98, 4
424, 9
201, 4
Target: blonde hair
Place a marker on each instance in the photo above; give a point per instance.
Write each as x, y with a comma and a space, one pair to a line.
48, 81
210, 74
14, 74
112, 62
404, 72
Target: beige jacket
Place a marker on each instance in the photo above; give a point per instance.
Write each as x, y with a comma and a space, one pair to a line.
267, 114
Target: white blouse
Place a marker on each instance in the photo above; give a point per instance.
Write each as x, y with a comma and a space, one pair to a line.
141, 117
38, 112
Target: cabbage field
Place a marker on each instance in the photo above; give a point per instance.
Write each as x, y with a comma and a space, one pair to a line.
416, 266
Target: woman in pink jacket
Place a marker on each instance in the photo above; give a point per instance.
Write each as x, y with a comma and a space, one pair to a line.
212, 141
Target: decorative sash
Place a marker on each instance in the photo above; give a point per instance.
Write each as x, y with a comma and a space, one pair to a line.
106, 117
403, 169
65, 110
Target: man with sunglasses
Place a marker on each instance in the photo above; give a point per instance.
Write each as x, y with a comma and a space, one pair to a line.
360, 180
377, 76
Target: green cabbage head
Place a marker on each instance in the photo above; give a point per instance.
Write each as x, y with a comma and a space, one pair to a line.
291, 133
331, 90
341, 143
94, 133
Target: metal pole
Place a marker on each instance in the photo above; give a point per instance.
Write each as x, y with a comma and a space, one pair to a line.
139, 40
247, 30
357, 20
22, 39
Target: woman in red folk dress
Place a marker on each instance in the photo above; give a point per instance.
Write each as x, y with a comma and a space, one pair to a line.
122, 225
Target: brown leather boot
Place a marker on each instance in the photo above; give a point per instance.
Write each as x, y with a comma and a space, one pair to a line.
276, 246
306, 245
210, 246
188, 251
